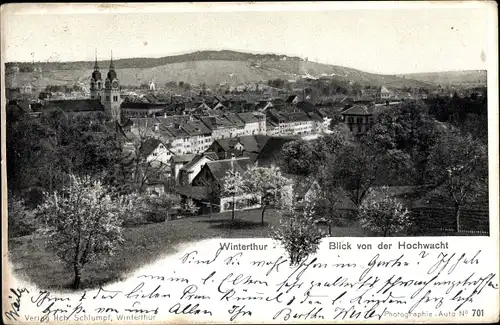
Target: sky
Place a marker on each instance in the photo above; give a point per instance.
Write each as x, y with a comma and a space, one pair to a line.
394, 38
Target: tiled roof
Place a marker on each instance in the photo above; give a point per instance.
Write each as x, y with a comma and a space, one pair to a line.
249, 117
149, 146
183, 158
234, 119
357, 110
271, 151
315, 117
383, 89
173, 119
291, 98
144, 106
175, 131
215, 122
218, 168
196, 128
197, 158
306, 106
195, 192
75, 105
296, 117
253, 143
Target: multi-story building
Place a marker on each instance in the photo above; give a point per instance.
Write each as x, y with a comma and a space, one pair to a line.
200, 135
237, 125
221, 127
358, 118
255, 123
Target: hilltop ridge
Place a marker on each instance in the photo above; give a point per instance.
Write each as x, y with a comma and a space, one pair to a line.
209, 67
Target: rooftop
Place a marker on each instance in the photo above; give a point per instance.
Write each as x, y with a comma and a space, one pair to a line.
75, 105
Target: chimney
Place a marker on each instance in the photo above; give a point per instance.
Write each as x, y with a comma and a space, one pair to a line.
232, 161
156, 127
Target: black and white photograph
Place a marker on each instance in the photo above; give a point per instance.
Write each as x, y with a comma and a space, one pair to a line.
130, 132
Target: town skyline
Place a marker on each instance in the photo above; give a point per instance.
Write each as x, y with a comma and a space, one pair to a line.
415, 40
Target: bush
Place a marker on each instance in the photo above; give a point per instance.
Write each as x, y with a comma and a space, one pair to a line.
298, 233
384, 214
21, 222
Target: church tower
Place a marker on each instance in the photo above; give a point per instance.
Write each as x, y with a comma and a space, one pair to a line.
96, 86
111, 100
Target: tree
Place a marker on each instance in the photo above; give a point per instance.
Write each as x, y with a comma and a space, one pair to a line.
139, 167
403, 138
266, 182
81, 224
383, 214
297, 158
355, 171
298, 232
458, 166
233, 186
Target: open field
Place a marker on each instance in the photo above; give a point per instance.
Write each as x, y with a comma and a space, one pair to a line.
143, 244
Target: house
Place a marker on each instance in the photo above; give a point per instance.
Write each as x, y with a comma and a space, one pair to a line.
177, 138
317, 122
155, 151
254, 123
385, 94
292, 100
140, 109
358, 118
248, 146
299, 123
177, 162
263, 105
191, 169
238, 127
306, 189
212, 176
272, 128
225, 148
220, 127
200, 135
202, 196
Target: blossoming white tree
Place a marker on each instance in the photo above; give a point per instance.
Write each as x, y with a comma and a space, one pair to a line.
190, 207
383, 213
233, 186
298, 232
82, 224
266, 182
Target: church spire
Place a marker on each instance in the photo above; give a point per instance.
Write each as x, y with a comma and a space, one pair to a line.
96, 66
111, 65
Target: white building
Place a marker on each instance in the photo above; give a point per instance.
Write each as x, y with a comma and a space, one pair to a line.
255, 123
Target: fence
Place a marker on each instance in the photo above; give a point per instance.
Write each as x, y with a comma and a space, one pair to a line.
441, 220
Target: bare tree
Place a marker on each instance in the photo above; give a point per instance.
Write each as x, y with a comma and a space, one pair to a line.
143, 166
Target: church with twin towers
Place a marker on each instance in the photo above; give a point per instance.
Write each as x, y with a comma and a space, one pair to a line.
107, 91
